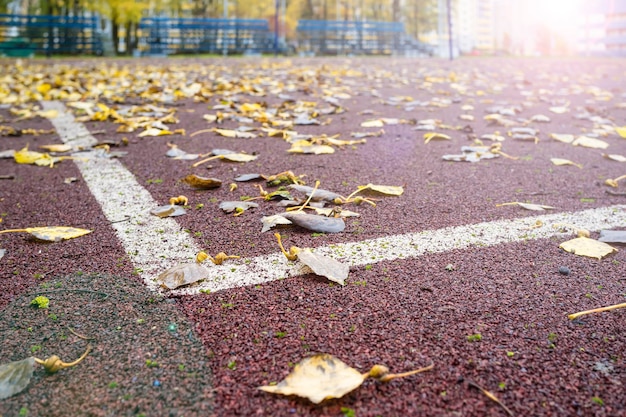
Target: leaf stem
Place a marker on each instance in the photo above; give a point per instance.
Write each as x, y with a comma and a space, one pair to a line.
317, 184
207, 160
491, 396
389, 377
200, 131
13, 230
596, 310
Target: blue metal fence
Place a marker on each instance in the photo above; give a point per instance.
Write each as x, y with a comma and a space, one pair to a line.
164, 35
329, 37
22, 35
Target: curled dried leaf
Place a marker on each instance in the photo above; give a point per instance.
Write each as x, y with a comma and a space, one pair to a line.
202, 182
527, 206
170, 210
315, 223
237, 206
317, 378
182, 274
435, 136
272, 221
317, 194
51, 233
15, 376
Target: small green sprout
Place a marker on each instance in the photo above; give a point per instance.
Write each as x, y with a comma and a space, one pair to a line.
474, 337
40, 302
597, 400
152, 364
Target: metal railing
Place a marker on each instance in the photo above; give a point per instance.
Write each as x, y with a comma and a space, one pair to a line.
23, 35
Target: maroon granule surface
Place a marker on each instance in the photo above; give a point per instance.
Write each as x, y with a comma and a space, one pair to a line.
404, 313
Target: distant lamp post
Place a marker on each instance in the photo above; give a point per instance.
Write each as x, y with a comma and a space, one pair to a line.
449, 7
276, 11
225, 31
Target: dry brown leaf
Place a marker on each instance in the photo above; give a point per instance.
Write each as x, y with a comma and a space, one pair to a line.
202, 182
584, 246
562, 137
588, 142
182, 274
561, 162
615, 157
527, 206
435, 136
373, 123
318, 378
15, 376
51, 233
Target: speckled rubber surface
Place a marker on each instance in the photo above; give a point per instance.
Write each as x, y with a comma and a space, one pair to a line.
404, 314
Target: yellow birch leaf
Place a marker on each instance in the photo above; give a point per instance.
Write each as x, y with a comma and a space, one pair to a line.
44, 88
317, 378
588, 142
559, 109
561, 162
56, 147
615, 157
584, 246
153, 131
250, 107
314, 149
202, 182
562, 137
383, 189
435, 136
234, 133
25, 156
373, 123
621, 131
238, 157
51, 233
48, 114
56, 233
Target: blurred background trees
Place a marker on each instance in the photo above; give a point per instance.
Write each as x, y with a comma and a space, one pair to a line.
123, 16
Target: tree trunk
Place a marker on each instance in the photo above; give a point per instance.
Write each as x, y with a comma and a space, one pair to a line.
395, 11
130, 41
115, 32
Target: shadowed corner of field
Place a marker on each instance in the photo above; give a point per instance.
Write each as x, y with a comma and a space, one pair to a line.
144, 358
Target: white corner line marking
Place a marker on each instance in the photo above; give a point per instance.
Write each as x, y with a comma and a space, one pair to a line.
152, 244
155, 244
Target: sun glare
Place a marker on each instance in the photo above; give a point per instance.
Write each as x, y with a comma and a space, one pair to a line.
562, 16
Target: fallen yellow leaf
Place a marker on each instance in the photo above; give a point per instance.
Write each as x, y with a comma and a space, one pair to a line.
588, 142
584, 246
561, 162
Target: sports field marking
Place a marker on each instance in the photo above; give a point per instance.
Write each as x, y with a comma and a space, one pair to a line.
152, 244
155, 244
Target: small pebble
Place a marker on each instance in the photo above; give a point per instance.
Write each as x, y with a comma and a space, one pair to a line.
156, 383
563, 270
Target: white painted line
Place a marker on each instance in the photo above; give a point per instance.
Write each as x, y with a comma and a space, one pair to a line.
275, 266
152, 244
156, 244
